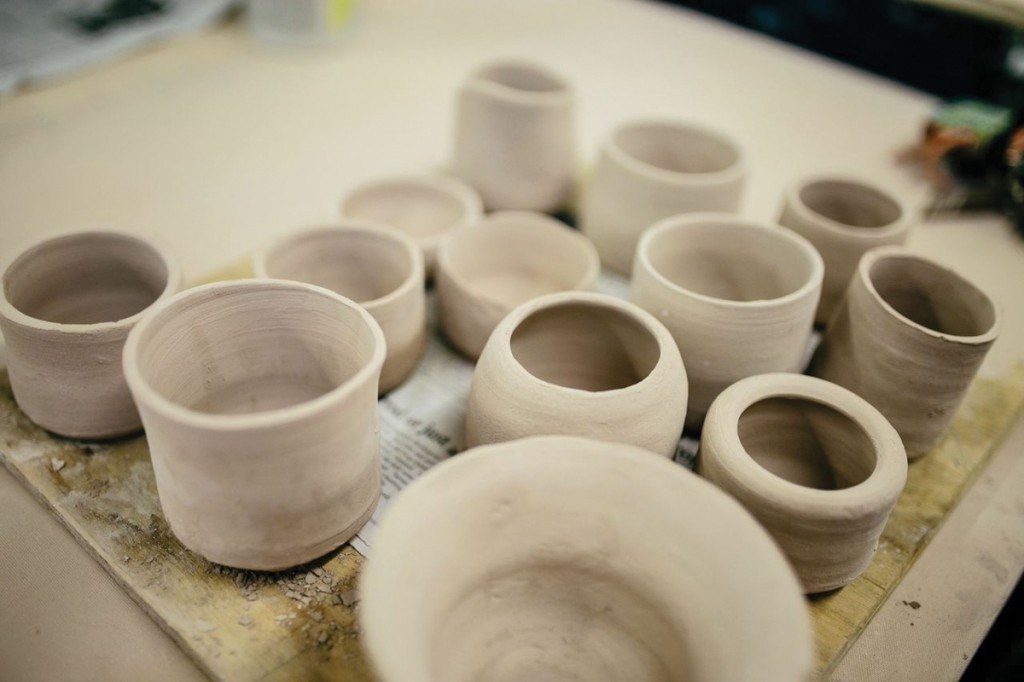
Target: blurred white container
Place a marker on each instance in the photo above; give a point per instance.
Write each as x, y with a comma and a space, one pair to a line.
299, 22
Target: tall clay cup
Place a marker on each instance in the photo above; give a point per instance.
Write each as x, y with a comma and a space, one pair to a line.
908, 337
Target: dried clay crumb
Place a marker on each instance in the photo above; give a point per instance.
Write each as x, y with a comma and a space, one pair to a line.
205, 626
57, 464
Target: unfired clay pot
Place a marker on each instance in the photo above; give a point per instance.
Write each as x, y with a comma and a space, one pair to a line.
259, 399
379, 268
561, 558
484, 272
514, 136
649, 170
908, 337
579, 364
843, 217
66, 306
817, 465
738, 296
426, 207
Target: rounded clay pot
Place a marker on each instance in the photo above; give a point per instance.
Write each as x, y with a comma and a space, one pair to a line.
579, 364
738, 296
577, 560
67, 304
843, 218
514, 136
650, 170
484, 272
381, 269
259, 399
908, 337
817, 465
425, 207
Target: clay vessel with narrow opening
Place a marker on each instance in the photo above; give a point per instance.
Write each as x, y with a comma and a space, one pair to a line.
484, 272
579, 364
843, 217
514, 136
379, 268
259, 399
426, 207
738, 296
67, 304
817, 465
908, 337
578, 560
650, 170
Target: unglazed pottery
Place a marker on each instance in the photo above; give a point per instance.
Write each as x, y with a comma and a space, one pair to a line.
379, 268
514, 136
579, 364
908, 337
817, 465
426, 207
484, 272
259, 399
650, 170
843, 217
67, 304
562, 558
738, 297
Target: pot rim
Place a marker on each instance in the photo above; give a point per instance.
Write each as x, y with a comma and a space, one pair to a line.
411, 282
794, 200
685, 220
559, 97
884, 252
144, 393
879, 490
157, 246
731, 173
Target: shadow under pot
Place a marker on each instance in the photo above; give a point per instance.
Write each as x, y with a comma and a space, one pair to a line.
579, 364
580, 560
908, 337
817, 465
738, 297
427, 208
511, 257
259, 399
843, 218
67, 304
379, 268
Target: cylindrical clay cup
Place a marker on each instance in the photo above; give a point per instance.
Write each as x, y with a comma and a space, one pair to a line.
577, 560
738, 297
66, 306
426, 207
514, 136
843, 218
379, 268
484, 272
259, 399
579, 364
817, 465
650, 170
908, 337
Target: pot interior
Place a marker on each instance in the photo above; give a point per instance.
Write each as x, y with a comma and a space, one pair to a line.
522, 77
851, 203
86, 278
677, 148
241, 350
584, 346
932, 296
418, 209
730, 261
362, 265
807, 443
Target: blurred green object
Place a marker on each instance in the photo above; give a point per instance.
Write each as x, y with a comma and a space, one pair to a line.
984, 119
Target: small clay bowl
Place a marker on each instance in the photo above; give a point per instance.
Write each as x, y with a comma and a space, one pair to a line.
426, 207
509, 258
379, 268
817, 465
579, 364
259, 399
67, 304
577, 560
